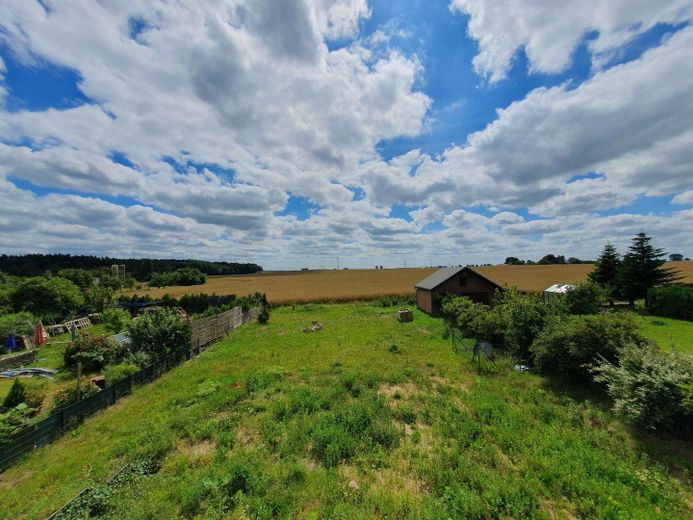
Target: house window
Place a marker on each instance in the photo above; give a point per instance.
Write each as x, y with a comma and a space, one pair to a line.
463, 280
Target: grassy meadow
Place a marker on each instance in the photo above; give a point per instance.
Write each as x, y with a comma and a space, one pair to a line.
368, 418
667, 333
353, 284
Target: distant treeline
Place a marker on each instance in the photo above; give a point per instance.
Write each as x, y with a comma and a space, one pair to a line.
547, 260
140, 268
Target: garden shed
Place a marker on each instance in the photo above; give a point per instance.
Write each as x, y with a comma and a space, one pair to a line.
459, 281
557, 290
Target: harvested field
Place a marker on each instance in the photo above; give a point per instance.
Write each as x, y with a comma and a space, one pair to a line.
312, 286
536, 278
308, 286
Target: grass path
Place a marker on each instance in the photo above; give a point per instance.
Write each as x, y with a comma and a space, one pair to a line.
366, 418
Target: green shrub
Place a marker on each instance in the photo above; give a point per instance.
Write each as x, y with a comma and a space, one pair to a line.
68, 393
687, 389
568, 344
194, 303
141, 359
585, 298
673, 301
97, 297
16, 395
491, 326
49, 298
35, 394
395, 301
94, 352
264, 316
159, 334
14, 421
525, 316
212, 311
114, 373
647, 386
115, 319
464, 313
17, 324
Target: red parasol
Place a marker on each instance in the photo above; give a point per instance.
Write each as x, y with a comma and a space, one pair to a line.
39, 336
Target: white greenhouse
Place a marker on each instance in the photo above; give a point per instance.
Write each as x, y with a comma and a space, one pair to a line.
557, 290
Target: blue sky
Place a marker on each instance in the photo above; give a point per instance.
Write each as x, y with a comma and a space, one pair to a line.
290, 133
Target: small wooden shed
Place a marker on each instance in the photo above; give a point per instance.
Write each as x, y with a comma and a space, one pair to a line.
460, 281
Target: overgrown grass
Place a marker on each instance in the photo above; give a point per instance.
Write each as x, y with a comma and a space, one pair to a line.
273, 422
667, 332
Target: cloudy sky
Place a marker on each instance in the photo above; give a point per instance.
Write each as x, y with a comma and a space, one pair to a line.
295, 132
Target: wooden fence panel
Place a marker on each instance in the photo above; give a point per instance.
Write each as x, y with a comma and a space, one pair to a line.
210, 329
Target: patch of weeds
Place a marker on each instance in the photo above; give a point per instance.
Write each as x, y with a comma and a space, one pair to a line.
371, 380
295, 474
397, 395
332, 444
226, 439
416, 437
354, 427
408, 372
200, 431
273, 432
190, 496
349, 380
263, 379
405, 414
395, 377
306, 400
152, 443
101, 500
249, 484
207, 388
77, 431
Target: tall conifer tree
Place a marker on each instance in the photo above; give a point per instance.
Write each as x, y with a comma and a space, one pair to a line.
642, 269
606, 271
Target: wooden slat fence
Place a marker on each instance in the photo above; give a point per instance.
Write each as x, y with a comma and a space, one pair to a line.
205, 331
210, 329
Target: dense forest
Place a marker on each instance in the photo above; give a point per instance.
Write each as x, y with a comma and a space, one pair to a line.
140, 268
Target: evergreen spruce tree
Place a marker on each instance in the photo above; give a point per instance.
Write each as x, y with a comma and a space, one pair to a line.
16, 396
641, 269
606, 271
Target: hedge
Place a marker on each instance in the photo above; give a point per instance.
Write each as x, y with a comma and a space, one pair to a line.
672, 301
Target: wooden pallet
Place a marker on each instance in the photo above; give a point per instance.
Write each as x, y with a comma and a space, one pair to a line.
61, 328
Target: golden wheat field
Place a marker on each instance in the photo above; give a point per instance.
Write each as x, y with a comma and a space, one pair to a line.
312, 286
